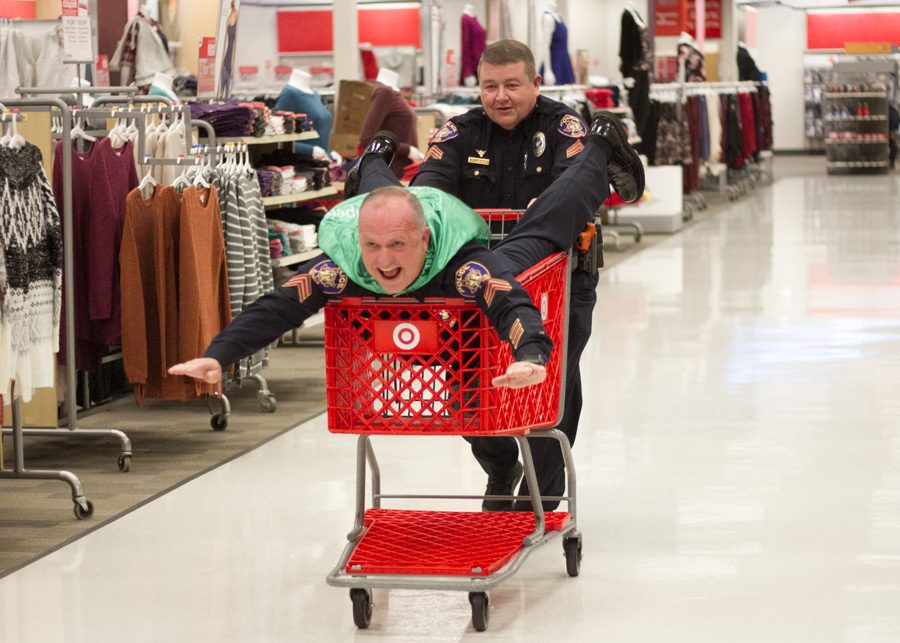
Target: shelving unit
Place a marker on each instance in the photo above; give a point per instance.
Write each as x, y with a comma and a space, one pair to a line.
855, 110
309, 195
263, 140
294, 259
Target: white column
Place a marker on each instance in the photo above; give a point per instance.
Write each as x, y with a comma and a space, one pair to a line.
346, 41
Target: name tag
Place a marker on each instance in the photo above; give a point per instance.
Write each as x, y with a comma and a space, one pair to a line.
479, 161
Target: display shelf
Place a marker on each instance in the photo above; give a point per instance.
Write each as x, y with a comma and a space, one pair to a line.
856, 141
309, 195
262, 140
293, 260
855, 94
858, 164
834, 119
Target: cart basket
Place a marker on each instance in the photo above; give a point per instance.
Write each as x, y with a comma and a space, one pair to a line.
416, 368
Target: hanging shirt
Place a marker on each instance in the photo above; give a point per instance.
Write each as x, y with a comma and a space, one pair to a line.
30, 272
101, 180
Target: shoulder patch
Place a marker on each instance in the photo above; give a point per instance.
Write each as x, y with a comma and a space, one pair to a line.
572, 126
329, 277
470, 277
446, 133
302, 284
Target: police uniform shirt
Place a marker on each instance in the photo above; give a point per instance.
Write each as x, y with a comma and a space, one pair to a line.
474, 273
486, 166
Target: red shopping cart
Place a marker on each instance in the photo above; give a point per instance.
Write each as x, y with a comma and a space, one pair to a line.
403, 367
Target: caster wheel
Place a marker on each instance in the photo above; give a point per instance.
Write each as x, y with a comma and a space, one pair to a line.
480, 610
218, 422
268, 403
124, 463
572, 549
362, 607
86, 511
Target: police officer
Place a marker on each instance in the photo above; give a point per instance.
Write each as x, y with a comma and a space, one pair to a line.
503, 155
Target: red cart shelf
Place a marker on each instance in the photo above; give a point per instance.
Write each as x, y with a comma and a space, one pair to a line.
443, 543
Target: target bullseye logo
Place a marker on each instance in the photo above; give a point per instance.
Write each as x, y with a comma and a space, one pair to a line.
418, 337
406, 336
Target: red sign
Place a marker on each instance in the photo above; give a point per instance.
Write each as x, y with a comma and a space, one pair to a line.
666, 18
282, 72
834, 30
103, 70
420, 337
206, 67
70, 7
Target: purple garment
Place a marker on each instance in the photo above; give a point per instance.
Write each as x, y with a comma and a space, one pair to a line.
474, 41
101, 179
229, 119
560, 62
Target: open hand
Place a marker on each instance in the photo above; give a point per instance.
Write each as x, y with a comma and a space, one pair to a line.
203, 368
520, 375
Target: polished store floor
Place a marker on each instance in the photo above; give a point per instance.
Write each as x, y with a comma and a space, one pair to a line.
738, 465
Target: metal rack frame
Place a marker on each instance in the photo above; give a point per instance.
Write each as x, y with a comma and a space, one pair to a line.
71, 419
84, 508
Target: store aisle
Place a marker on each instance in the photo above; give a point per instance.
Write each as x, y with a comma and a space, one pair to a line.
738, 460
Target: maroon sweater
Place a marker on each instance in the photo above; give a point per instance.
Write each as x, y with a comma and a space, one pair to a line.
390, 111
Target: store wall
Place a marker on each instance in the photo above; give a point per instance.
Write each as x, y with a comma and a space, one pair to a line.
196, 19
780, 43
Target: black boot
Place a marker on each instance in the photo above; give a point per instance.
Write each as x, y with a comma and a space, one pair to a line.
626, 172
385, 145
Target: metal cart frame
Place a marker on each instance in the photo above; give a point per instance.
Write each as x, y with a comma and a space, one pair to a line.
537, 528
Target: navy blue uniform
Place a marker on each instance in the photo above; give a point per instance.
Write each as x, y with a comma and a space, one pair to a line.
486, 166
321, 279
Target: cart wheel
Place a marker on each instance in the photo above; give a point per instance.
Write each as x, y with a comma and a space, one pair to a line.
218, 422
362, 607
124, 462
480, 610
85, 510
572, 549
267, 402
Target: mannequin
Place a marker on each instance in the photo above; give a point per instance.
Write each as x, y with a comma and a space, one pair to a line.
554, 48
636, 55
630, 8
691, 67
301, 80
388, 77
747, 69
299, 97
161, 85
389, 110
474, 41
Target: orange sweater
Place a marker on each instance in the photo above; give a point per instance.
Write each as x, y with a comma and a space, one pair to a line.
202, 278
147, 262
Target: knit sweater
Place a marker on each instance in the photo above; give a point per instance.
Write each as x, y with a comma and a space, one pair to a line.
30, 272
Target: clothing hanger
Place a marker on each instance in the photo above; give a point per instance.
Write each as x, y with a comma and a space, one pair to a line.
147, 181
79, 133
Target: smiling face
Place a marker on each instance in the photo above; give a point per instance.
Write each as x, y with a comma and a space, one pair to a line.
507, 93
393, 237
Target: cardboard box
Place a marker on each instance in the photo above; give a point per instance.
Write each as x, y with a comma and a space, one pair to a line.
41, 411
354, 98
345, 144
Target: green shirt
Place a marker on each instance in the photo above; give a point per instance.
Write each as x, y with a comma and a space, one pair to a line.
453, 224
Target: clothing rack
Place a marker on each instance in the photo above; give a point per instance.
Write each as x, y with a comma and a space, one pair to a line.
71, 420
84, 508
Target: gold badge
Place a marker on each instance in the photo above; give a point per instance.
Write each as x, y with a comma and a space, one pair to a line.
474, 160
540, 144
